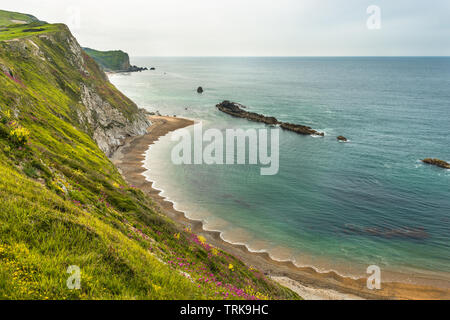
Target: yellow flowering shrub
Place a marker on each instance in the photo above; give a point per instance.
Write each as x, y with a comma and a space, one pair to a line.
202, 239
6, 116
19, 135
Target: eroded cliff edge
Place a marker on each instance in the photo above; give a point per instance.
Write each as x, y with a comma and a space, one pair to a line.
94, 104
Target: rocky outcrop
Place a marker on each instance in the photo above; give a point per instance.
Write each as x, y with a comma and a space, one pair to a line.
200, 90
437, 162
342, 138
110, 126
136, 69
235, 110
300, 129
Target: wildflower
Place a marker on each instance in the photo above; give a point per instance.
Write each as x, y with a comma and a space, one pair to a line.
202, 239
176, 236
156, 287
19, 135
231, 267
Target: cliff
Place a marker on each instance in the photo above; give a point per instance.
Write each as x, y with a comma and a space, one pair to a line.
110, 60
65, 207
113, 61
56, 61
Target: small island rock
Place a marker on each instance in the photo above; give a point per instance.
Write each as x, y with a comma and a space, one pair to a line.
437, 162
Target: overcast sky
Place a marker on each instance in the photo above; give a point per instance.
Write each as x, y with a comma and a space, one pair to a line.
251, 27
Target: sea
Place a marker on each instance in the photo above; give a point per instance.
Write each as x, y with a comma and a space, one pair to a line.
332, 206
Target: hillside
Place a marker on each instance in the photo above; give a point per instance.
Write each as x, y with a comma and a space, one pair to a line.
115, 61
63, 201
110, 60
9, 18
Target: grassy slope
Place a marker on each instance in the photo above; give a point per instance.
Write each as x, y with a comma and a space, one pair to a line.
64, 203
109, 60
7, 18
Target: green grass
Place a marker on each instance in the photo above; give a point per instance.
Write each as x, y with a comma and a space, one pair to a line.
63, 202
110, 60
26, 30
9, 18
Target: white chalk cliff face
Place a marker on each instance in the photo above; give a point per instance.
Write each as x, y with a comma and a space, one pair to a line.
110, 126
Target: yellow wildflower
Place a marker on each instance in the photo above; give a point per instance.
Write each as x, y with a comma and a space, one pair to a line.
202, 239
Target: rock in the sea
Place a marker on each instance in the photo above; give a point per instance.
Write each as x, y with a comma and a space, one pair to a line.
200, 90
297, 128
235, 109
437, 162
152, 69
136, 69
342, 138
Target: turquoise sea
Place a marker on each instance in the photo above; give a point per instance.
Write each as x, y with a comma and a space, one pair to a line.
333, 206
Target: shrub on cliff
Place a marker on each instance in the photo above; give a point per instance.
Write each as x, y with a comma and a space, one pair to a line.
19, 136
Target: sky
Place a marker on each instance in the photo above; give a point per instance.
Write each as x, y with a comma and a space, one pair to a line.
252, 27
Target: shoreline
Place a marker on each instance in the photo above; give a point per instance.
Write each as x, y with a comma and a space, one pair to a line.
306, 281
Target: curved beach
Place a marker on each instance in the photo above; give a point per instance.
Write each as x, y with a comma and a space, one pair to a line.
306, 281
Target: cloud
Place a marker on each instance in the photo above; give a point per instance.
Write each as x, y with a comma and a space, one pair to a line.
251, 27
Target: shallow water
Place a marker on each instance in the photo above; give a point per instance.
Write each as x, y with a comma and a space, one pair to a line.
322, 207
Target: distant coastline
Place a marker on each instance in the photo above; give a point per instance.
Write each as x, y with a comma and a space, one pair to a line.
115, 61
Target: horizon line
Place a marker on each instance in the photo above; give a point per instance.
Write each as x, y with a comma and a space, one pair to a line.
288, 56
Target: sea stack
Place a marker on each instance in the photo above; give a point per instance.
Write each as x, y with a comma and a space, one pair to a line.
200, 90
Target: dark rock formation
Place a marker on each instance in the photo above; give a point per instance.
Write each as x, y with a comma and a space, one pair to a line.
152, 68
437, 162
235, 110
300, 129
136, 69
200, 90
342, 138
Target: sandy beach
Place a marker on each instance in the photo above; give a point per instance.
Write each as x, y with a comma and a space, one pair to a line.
307, 282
